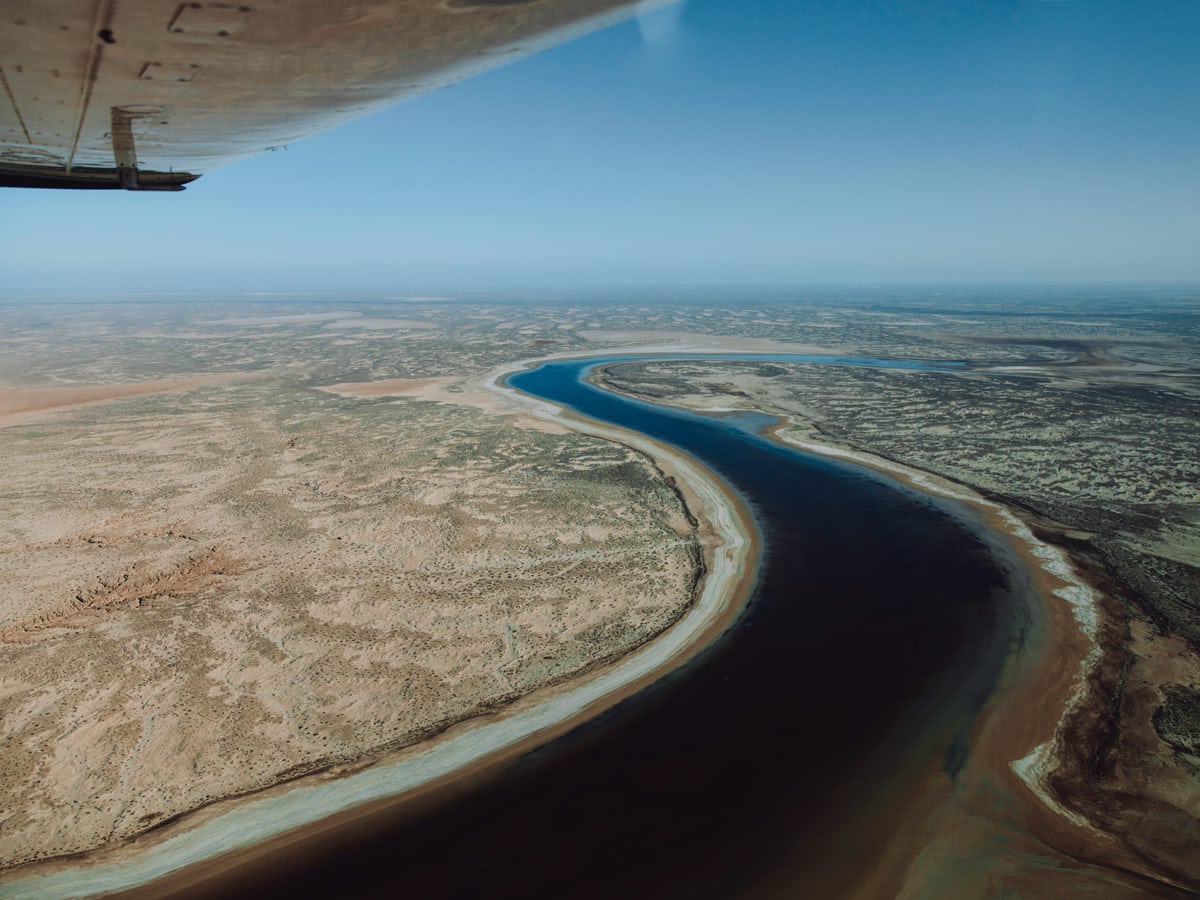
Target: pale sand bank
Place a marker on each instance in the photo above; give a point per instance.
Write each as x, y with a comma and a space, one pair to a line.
1068, 587
246, 823
388, 387
18, 405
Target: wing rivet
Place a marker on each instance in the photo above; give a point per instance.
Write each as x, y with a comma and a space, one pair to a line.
221, 19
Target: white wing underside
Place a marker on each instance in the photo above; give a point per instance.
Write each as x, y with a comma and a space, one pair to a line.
148, 94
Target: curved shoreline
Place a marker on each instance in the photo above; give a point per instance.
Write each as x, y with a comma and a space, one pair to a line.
238, 829
1011, 740
1021, 733
1035, 767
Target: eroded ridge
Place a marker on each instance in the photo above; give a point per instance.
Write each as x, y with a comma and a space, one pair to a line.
131, 589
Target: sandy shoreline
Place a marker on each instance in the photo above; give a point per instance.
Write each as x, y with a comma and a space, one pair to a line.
240, 829
1058, 575
1018, 735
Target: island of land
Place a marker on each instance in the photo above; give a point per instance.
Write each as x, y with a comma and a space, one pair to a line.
261, 544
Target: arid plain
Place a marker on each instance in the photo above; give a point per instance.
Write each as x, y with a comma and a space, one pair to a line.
216, 583
252, 540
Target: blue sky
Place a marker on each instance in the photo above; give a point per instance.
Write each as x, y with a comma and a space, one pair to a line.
722, 141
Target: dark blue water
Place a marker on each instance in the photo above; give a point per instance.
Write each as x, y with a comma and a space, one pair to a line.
879, 625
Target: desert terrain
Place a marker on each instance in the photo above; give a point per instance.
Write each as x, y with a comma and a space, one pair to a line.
218, 581
253, 540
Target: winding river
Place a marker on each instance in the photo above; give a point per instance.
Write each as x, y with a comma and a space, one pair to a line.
778, 760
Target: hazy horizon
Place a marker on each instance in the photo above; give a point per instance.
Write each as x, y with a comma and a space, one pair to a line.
1030, 297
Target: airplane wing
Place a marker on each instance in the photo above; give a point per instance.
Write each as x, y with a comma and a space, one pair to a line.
149, 94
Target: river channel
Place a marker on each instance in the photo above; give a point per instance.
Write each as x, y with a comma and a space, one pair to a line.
777, 759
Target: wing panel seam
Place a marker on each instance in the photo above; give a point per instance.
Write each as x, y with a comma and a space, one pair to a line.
102, 19
16, 109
